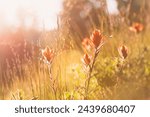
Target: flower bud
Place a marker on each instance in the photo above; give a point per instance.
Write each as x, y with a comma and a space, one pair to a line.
86, 43
136, 27
48, 54
123, 51
86, 59
97, 38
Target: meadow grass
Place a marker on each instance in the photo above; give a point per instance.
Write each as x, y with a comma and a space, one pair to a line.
109, 80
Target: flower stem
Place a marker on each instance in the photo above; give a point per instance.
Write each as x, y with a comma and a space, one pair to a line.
87, 82
52, 83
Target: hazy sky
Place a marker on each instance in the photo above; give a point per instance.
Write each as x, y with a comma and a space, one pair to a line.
45, 10
112, 6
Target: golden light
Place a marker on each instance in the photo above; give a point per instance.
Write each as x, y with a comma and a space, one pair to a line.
13, 12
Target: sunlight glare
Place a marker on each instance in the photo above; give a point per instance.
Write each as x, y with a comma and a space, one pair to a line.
45, 12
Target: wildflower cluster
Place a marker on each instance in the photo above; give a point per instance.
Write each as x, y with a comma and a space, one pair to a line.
92, 47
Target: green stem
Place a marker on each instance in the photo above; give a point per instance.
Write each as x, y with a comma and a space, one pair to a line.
87, 82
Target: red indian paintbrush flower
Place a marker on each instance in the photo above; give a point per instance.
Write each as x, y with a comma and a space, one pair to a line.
123, 51
136, 27
86, 43
97, 38
86, 59
48, 54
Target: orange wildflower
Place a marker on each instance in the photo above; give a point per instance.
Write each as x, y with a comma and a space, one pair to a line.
86, 59
86, 43
97, 38
48, 54
136, 27
123, 51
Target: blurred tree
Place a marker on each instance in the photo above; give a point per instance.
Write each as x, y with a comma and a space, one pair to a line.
134, 10
81, 16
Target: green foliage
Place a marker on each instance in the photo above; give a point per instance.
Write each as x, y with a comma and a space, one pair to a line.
116, 77
106, 69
